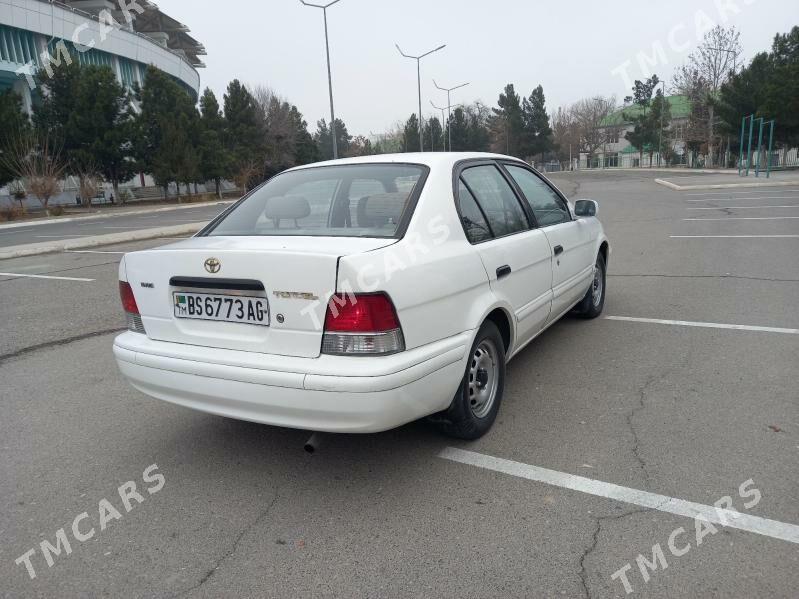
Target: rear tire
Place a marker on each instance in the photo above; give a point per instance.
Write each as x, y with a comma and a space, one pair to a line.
594, 301
476, 403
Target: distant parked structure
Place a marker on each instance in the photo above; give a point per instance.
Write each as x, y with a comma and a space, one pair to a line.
126, 36
618, 152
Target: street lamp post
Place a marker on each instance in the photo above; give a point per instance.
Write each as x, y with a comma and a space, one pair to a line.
418, 60
324, 8
449, 106
442, 109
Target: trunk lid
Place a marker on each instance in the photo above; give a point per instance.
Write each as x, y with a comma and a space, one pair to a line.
298, 275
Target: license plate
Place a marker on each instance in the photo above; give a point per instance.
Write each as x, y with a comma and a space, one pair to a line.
227, 308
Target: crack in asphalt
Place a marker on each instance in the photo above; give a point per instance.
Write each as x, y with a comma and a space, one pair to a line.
595, 540
742, 277
636, 441
234, 547
57, 342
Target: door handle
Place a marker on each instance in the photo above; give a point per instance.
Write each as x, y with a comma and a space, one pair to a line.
558, 250
503, 271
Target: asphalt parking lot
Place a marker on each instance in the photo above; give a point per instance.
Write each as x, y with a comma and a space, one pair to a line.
611, 432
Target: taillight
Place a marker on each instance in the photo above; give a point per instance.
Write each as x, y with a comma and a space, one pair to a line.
131, 309
362, 324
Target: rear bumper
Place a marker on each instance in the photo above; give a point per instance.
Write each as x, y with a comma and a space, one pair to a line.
329, 393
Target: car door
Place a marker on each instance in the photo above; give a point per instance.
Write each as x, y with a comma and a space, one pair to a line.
569, 238
516, 255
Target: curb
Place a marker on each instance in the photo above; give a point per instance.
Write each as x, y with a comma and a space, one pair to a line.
676, 187
69, 219
49, 247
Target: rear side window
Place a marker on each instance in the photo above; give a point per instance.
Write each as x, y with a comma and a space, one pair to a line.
548, 207
496, 199
472, 219
364, 200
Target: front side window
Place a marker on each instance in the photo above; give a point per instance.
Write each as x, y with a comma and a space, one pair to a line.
364, 200
496, 198
548, 207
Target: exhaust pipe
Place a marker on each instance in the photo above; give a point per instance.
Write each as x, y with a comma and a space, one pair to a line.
314, 442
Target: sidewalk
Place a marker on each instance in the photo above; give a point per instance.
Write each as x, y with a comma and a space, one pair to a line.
111, 212
49, 247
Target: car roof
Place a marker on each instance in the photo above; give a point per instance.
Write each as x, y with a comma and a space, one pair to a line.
431, 159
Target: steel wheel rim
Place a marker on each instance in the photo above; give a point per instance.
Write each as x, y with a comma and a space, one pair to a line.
597, 287
483, 378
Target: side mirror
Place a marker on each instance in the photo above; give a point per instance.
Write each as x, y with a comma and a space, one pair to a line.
585, 208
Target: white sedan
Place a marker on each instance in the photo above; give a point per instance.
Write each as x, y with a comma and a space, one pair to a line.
361, 294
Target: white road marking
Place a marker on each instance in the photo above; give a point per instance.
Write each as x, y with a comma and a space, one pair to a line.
91, 252
16, 274
742, 207
746, 199
748, 191
707, 325
15, 231
671, 505
733, 236
746, 218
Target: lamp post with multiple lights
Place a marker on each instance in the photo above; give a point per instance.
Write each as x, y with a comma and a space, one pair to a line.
324, 8
418, 60
449, 106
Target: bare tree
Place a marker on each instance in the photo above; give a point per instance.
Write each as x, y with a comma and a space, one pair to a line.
246, 173
707, 69
565, 133
37, 160
280, 142
590, 118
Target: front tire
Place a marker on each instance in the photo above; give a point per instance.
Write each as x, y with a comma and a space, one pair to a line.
476, 403
594, 301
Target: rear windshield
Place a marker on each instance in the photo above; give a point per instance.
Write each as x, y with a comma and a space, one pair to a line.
364, 200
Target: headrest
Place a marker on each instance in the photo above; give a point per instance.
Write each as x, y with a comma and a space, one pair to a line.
381, 209
290, 207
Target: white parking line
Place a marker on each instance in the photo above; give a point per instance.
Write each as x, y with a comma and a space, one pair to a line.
16, 274
598, 488
707, 325
746, 199
733, 236
742, 207
60, 236
748, 191
746, 218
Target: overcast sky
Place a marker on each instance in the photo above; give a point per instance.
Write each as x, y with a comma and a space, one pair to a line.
571, 47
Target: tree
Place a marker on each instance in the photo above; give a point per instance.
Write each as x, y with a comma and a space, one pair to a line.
593, 120
214, 155
37, 160
433, 134
713, 64
565, 133
459, 134
537, 136
86, 111
478, 136
507, 124
410, 134
15, 125
246, 134
164, 131
643, 132
324, 139
782, 90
